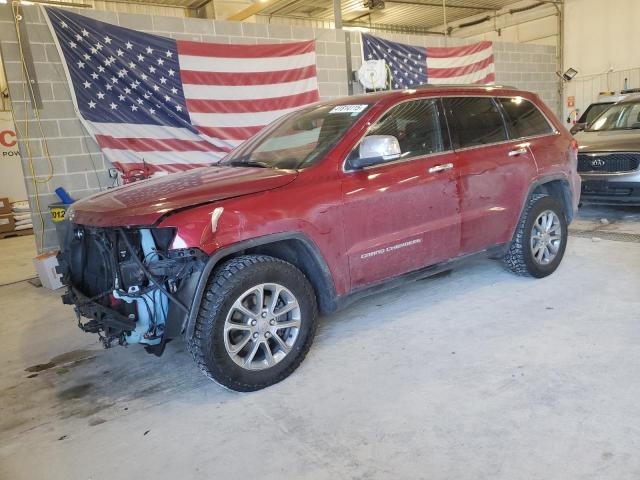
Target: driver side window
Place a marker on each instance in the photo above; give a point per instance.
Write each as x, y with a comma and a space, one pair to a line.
417, 125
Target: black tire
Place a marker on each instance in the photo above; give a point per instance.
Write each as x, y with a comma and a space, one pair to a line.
519, 258
225, 286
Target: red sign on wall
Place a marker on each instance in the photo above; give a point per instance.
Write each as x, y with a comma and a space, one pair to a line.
8, 138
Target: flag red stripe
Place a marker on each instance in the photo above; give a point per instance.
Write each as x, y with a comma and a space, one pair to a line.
459, 71
445, 52
156, 145
234, 79
150, 168
230, 133
254, 105
224, 50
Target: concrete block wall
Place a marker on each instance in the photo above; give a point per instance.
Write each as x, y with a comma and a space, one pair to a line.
78, 165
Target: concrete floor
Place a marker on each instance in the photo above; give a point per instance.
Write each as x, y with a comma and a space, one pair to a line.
474, 375
16, 259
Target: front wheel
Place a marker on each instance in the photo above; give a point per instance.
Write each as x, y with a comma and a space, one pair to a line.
540, 239
256, 323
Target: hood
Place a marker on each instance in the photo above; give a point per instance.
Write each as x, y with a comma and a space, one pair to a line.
145, 202
608, 141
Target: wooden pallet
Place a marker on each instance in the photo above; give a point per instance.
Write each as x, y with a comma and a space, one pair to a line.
16, 233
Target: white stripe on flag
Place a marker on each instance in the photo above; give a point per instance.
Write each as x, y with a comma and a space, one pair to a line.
156, 132
128, 130
242, 92
162, 158
267, 64
238, 119
452, 62
227, 143
468, 78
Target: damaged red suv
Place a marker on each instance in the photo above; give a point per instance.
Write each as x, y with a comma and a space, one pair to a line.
330, 203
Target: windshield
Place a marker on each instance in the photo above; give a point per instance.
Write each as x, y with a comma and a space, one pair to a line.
593, 111
299, 140
622, 116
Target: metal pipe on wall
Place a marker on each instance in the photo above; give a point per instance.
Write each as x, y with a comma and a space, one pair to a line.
560, 55
337, 14
444, 18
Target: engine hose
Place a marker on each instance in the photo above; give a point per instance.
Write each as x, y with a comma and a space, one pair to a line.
173, 298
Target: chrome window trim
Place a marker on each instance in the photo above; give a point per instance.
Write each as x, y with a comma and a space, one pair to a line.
504, 142
592, 154
554, 131
633, 173
401, 160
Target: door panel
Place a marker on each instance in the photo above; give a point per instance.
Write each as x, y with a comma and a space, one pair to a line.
399, 218
492, 188
494, 173
403, 215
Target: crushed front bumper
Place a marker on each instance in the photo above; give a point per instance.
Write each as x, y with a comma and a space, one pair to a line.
128, 284
99, 316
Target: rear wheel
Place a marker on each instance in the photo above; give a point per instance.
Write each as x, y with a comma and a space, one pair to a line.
540, 239
256, 323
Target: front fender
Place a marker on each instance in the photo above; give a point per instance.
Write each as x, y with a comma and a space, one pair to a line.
327, 297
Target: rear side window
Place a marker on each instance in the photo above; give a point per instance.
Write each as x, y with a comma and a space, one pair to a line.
524, 118
474, 121
416, 125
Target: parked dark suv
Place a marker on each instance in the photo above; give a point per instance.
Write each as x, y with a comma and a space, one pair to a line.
330, 203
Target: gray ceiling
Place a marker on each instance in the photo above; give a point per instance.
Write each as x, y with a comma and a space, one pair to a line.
424, 14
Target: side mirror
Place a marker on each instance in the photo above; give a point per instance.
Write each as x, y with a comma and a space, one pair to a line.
578, 127
376, 149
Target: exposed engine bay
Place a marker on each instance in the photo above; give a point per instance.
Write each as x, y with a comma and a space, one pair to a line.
128, 284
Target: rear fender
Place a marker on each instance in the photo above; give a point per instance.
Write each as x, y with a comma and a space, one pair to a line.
566, 192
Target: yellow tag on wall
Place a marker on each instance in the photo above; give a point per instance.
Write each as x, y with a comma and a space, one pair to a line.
57, 214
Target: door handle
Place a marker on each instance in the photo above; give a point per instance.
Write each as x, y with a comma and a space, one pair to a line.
518, 152
441, 168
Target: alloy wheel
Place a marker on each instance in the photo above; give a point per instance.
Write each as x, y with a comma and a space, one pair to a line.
546, 237
262, 326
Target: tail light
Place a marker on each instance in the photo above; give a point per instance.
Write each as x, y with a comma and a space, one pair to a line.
573, 151
574, 146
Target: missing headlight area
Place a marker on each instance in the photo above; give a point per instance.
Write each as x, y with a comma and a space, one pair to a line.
127, 285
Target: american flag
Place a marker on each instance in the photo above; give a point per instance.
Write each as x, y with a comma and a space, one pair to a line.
412, 66
155, 104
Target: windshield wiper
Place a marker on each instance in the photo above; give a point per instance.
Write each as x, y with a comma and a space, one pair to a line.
248, 163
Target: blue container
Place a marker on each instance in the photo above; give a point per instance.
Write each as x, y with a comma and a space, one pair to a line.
64, 196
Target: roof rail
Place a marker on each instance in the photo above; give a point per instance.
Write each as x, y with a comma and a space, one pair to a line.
463, 85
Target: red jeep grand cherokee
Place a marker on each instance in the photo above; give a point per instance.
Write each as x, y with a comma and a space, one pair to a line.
330, 203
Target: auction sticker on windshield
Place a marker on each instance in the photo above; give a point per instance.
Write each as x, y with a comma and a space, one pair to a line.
348, 108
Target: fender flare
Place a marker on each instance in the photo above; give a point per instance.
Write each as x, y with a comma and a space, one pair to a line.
565, 180
539, 182
328, 299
